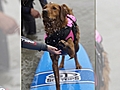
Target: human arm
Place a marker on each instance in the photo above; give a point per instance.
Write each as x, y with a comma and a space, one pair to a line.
43, 2
29, 44
32, 11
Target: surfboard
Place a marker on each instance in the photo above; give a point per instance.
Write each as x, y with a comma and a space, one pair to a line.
70, 78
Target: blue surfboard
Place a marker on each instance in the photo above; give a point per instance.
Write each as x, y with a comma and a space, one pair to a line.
70, 78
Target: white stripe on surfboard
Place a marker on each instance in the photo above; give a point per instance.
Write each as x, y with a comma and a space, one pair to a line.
63, 70
91, 82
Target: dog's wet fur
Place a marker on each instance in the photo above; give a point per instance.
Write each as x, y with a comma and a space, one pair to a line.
54, 18
106, 72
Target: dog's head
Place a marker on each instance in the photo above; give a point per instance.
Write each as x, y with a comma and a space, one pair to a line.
54, 11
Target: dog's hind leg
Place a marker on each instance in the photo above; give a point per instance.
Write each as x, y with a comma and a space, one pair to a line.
56, 70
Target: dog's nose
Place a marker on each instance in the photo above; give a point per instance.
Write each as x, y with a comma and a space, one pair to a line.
45, 13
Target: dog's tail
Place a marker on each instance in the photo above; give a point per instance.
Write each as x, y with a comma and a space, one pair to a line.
106, 71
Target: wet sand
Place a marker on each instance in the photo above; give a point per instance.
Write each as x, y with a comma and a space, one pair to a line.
108, 24
84, 12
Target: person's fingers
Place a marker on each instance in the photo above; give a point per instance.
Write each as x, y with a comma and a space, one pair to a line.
53, 50
39, 16
58, 52
35, 13
56, 48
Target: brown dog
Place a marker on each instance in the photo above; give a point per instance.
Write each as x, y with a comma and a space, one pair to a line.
55, 19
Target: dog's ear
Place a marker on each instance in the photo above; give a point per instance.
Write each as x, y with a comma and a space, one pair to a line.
62, 13
64, 10
67, 9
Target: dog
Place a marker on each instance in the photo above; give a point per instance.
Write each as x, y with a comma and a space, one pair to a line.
106, 72
62, 32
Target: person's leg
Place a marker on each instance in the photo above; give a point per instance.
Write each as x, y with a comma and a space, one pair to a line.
22, 34
43, 2
28, 22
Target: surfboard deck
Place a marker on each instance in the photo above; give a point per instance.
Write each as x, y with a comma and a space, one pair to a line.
70, 78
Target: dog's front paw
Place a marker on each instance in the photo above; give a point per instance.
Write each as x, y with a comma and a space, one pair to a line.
63, 43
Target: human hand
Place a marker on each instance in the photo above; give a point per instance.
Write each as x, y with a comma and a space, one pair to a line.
7, 24
53, 50
35, 13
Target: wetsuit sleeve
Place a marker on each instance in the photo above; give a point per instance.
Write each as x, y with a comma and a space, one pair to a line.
29, 44
43, 2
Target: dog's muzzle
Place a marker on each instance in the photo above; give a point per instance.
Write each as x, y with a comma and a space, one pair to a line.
45, 13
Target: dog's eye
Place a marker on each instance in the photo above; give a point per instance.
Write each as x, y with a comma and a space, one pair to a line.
44, 7
54, 8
